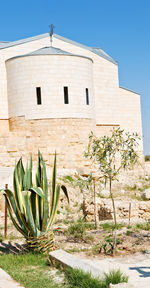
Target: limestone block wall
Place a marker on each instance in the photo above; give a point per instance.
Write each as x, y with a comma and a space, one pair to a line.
129, 113
52, 73
69, 137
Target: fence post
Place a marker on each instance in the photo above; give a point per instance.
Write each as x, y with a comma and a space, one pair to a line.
5, 226
129, 213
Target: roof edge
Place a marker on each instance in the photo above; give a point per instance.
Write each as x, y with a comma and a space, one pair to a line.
22, 41
30, 55
41, 36
130, 90
106, 56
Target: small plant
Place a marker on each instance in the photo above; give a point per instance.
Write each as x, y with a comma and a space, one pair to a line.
115, 277
129, 233
96, 249
107, 246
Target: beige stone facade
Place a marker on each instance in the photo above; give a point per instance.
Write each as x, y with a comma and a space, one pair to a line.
26, 126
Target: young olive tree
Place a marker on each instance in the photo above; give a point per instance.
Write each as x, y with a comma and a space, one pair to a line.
111, 154
83, 183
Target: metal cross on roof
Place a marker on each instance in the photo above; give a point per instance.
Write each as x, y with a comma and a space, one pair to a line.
51, 32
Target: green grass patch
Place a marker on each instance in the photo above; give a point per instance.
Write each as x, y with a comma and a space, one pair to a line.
78, 230
33, 271
143, 226
115, 277
30, 270
78, 279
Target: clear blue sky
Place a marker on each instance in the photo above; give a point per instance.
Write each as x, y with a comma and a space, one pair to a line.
120, 27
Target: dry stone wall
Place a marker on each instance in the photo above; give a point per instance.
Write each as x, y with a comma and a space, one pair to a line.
69, 137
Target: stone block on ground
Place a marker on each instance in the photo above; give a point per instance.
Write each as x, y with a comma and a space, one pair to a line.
121, 285
146, 194
6, 281
64, 259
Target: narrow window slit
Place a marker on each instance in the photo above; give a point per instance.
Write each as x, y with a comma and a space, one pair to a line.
38, 95
87, 96
66, 97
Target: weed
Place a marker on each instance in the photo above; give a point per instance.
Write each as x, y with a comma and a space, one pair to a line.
96, 249
132, 188
75, 204
108, 244
144, 251
129, 227
76, 250
143, 226
68, 210
88, 238
143, 188
66, 221
78, 229
129, 232
110, 226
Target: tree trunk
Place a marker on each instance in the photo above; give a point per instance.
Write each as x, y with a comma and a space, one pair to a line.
95, 208
83, 205
115, 220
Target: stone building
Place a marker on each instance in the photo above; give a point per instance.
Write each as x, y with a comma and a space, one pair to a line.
51, 97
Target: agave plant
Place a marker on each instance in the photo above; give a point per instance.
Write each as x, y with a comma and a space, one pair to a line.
28, 206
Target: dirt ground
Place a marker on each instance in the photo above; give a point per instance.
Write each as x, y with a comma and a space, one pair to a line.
131, 239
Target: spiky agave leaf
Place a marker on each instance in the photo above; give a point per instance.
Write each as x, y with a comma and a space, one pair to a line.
44, 186
54, 208
13, 220
9, 196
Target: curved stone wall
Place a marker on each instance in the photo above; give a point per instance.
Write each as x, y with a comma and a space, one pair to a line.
52, 73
